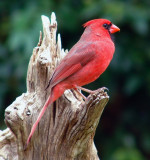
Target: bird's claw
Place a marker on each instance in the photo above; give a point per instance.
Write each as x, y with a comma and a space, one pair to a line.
104, 88
101, 90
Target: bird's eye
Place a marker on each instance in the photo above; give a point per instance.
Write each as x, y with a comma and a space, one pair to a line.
105, 25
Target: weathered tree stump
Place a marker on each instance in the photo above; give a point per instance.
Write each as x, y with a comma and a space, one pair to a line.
67, 129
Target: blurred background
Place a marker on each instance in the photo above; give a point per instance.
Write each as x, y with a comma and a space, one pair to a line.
124, 129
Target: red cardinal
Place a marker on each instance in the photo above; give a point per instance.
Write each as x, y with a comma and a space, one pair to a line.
84, 63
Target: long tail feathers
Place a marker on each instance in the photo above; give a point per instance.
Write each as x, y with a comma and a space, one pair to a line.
48, 102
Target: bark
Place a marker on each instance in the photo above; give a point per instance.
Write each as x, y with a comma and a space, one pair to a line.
67, 129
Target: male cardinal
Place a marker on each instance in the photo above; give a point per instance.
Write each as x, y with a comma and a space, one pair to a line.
84, 63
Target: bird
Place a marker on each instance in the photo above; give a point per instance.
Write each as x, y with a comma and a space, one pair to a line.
83, 64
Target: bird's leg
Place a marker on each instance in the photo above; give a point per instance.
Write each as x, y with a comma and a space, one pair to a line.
77, 90
92, 92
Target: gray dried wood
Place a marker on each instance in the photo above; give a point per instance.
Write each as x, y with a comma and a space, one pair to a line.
67, 129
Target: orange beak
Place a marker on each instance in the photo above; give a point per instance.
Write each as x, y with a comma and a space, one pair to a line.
114, 28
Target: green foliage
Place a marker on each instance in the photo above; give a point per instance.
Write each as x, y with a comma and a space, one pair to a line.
127, 154
124, 132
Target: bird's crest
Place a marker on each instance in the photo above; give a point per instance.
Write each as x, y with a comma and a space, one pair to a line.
89, 22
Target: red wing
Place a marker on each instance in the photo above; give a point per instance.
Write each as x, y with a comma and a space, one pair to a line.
72, 63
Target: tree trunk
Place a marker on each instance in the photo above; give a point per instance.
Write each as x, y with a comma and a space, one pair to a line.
67, 129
